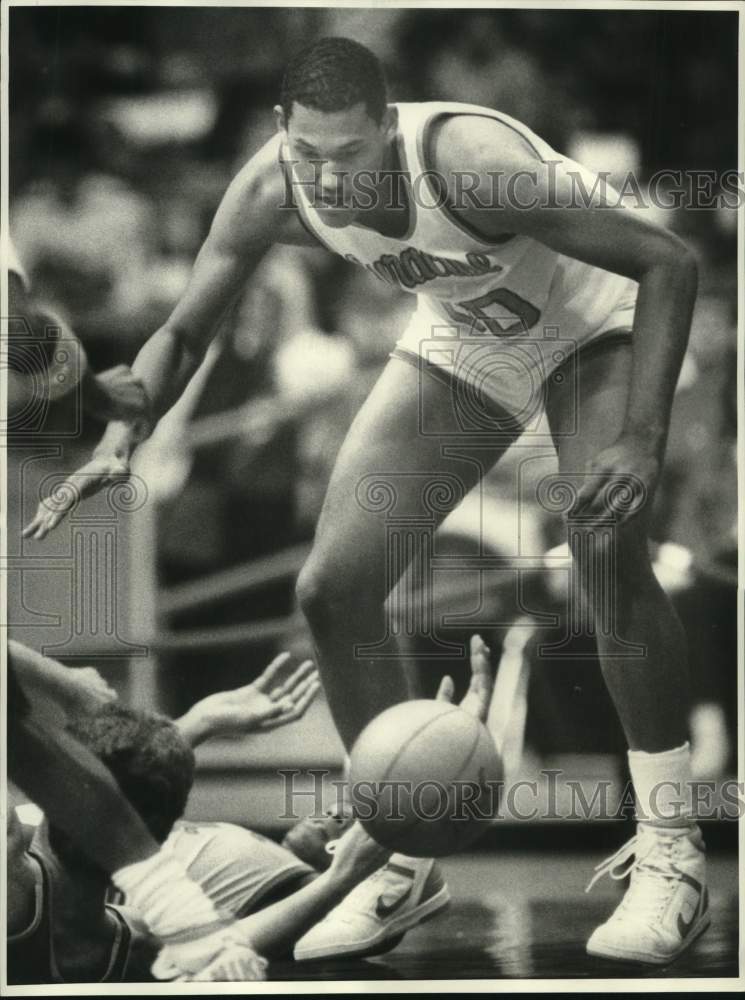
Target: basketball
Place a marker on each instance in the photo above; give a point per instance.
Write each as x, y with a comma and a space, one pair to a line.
425, 778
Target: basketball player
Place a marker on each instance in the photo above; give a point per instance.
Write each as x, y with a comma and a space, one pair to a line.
82, 799
508, 259
60, 928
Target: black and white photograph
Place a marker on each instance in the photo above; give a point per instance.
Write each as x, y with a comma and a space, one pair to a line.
370, 379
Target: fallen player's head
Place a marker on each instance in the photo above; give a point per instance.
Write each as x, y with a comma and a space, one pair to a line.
337, 121
150, 760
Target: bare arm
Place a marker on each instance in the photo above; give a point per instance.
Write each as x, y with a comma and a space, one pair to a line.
249, 220
274, 930
73, 690
266, 703
247, 223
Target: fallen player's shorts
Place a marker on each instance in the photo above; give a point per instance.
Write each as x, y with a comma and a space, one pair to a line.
506, 376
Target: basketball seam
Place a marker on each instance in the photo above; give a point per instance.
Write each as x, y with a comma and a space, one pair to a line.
469, 758
411, 739
418, 820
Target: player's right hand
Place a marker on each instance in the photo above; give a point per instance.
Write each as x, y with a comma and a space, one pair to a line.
88, 480
356, 855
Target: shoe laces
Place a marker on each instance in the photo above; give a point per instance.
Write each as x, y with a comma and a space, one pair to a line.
652, 870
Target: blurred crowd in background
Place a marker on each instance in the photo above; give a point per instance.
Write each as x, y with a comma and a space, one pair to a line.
127, 125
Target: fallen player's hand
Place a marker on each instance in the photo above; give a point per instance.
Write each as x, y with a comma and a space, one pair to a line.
480, 690
265, 703
65, 497
225, 956
356, 855
620, 480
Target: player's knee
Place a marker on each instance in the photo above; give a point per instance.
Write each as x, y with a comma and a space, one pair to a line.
322, 591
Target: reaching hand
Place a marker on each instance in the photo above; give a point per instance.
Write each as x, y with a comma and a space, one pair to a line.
477, 698
119, 395
88, 480
620, 481
356, 855
264, 704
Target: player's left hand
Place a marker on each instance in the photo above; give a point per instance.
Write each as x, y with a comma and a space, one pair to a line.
477, 698
264, 704
620, 480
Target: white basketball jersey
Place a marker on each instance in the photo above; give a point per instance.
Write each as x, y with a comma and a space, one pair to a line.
507, 288
235, 867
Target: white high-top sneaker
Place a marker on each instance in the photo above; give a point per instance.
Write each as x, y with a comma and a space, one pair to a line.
666, 906
375, 915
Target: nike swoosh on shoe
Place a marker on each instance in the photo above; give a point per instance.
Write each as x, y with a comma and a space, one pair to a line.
383, 909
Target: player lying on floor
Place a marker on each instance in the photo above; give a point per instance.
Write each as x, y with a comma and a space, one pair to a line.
82, 799
152, 759
89, 940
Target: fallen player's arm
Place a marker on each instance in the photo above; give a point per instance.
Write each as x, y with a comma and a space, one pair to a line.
42, 678
264, 704
274, 930
77, 793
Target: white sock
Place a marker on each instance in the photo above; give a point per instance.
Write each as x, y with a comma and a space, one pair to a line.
662, 786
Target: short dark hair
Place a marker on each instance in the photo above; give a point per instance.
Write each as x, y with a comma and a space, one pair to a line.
334, 74
150, 760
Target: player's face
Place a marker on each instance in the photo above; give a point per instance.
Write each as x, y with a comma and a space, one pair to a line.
335, 153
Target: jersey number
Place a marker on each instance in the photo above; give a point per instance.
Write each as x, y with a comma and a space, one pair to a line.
500, 312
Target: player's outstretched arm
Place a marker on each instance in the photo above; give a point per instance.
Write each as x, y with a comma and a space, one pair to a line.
264, 704
546, 201
249, 220
80, 795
